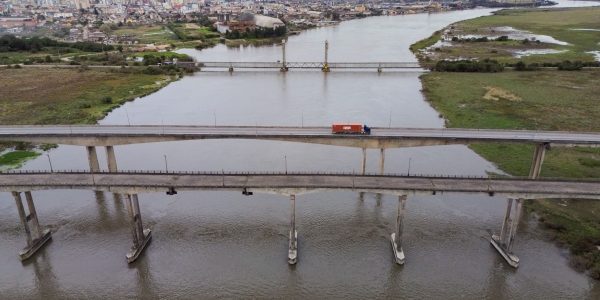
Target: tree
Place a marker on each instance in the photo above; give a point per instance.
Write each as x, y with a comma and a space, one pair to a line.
106, 29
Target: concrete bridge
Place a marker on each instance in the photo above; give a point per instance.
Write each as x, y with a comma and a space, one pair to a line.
132, 183
381, 138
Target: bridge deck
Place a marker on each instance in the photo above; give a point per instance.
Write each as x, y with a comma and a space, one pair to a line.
309, 65
115, 135
138, 182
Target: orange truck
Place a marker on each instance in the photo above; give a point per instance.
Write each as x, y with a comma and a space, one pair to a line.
350, 128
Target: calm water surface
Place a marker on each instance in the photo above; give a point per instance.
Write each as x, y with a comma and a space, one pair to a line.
225, 245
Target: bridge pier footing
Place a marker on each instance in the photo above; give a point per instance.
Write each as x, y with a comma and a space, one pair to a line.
93, 159
141, 236
504, 242
396, 237
293, 235
40, 236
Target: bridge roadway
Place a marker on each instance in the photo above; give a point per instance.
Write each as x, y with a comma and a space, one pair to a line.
308, 65
103, 135
134, 182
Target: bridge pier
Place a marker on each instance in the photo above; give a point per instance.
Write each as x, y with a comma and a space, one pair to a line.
93, 159
111, 158
284, 67
325, 67
40, 236
230, 68
504, 242
293, 235
396, 237
538, 160
141, 236
363, 169
379, 69
382, 161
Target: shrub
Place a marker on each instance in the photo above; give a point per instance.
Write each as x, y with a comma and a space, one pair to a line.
107, 100
485, 66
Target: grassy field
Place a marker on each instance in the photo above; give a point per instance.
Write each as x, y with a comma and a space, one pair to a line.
545, 100
149, 34
68, 96
559, 23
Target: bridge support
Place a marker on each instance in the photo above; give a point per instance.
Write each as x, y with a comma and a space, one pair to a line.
93, 159
284, 67
382, 161
379, 69
230, 68
141, 236
293, 235
504, 242
538, 160
40, 236
363, 169
325, 67
111, 158
396, 237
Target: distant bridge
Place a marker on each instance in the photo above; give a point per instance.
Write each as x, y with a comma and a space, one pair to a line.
325, 66
308, 65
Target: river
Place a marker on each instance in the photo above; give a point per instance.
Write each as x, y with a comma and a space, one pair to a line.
226, 245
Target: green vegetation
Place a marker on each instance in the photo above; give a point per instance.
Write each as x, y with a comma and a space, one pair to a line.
257, 33
485, 66
544, 100
69, 96
430, 41
563, 24
191, 31
16, 158
15, 50
148, 34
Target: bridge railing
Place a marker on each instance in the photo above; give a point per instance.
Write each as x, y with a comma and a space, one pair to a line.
309, 65
294, 173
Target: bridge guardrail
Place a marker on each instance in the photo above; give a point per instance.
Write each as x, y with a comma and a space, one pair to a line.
295, 173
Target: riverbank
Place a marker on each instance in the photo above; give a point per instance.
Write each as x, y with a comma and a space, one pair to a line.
46, 95
548, 35
537, 100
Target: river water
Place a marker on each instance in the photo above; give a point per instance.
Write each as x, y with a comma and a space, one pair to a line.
226, 245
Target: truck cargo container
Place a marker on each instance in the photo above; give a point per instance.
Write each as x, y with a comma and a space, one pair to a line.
350, 128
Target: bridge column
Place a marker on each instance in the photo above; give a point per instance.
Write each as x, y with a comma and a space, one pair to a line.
382, 161
363, 170
325, 67
284, 67
293, 235
538, 160
505, 241
40, 237
141, 236
379, 69
111, 158
93, 159
231, 68
396, 237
